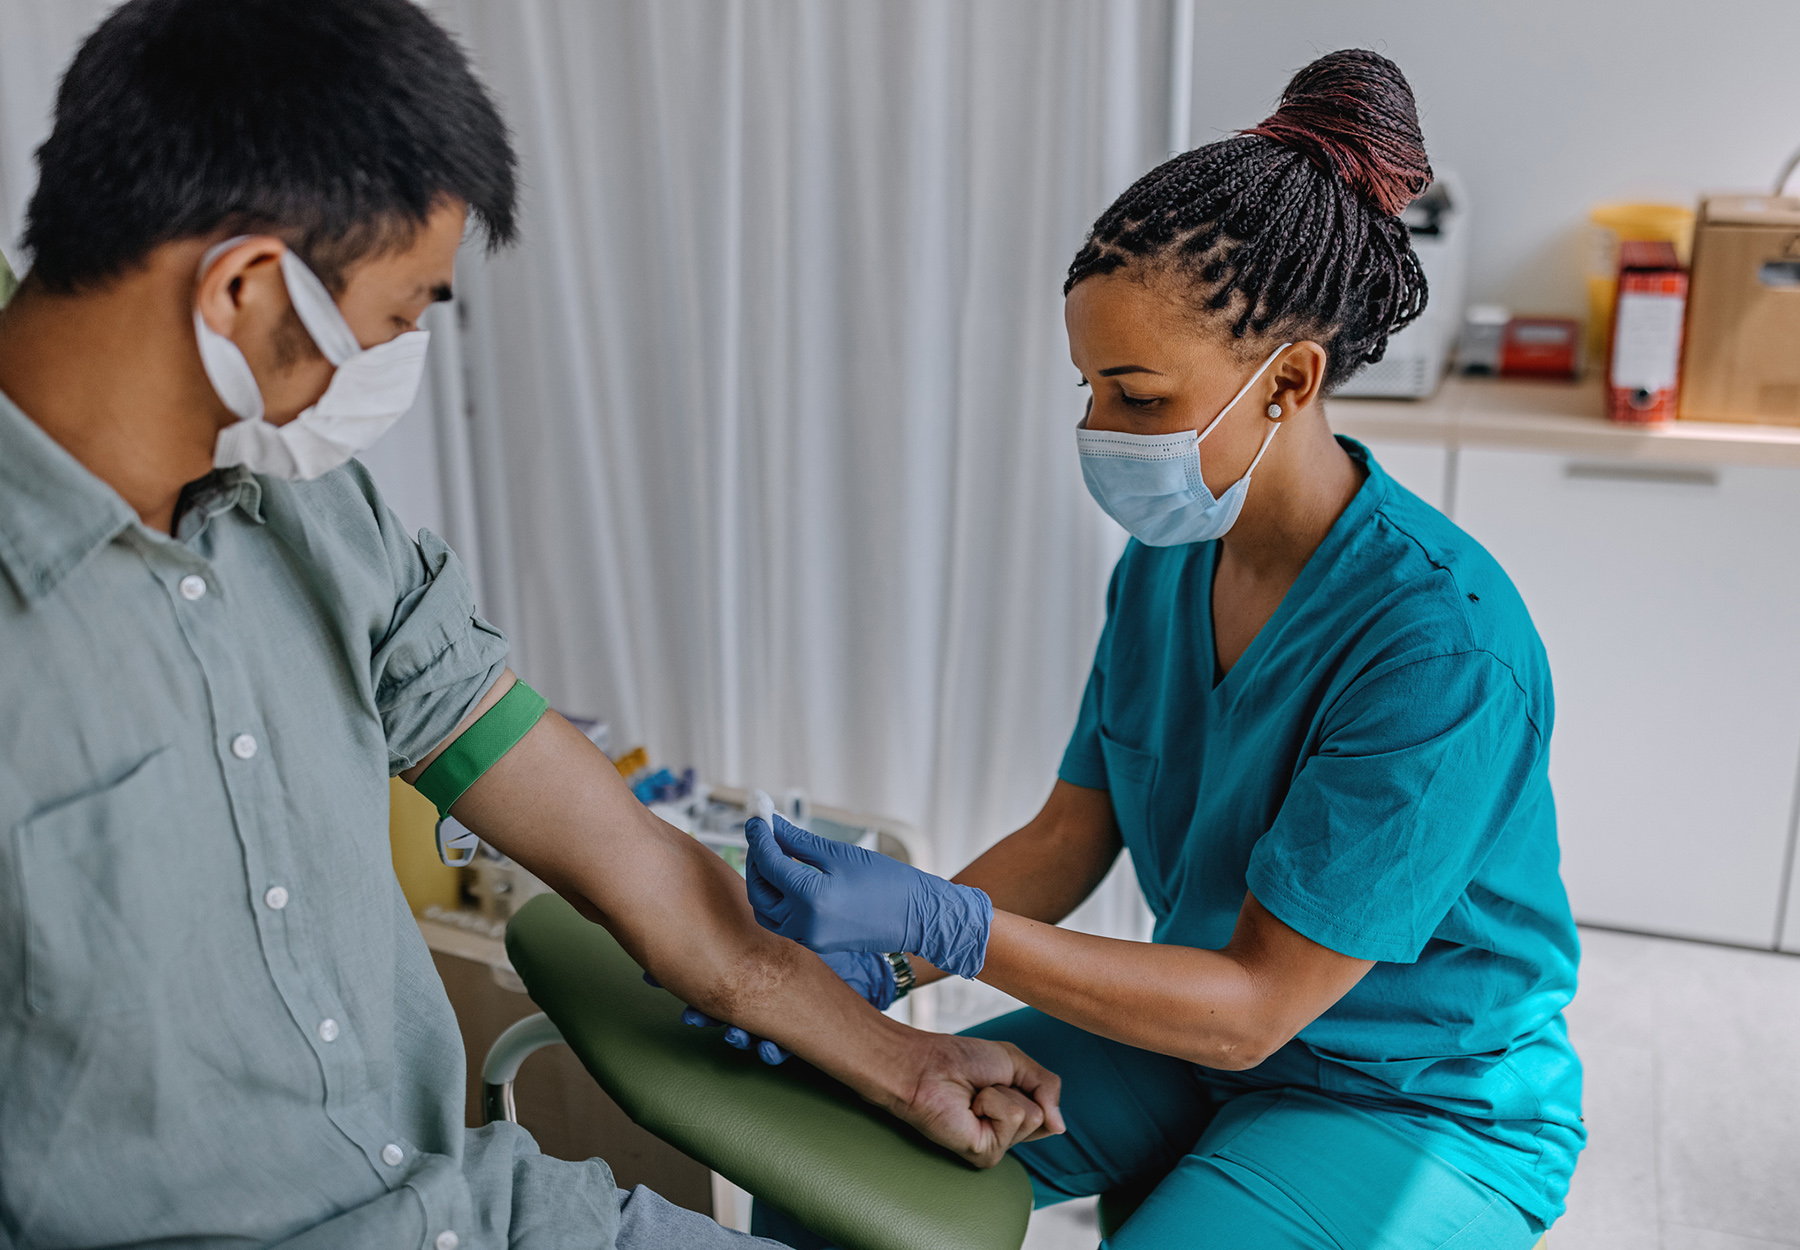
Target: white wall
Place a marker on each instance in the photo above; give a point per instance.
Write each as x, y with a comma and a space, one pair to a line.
1543, 106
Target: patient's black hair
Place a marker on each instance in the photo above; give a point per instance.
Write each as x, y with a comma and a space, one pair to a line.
1290, 229
336, 124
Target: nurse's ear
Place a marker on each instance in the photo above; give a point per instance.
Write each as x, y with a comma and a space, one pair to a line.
1295, 380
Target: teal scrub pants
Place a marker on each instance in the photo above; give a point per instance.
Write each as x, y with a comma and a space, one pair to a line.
1220, 1169
1278, 1169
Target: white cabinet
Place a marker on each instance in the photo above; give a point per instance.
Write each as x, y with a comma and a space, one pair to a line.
1422, 468
1669, 602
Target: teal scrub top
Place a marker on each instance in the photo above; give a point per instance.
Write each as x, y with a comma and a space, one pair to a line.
1374, 770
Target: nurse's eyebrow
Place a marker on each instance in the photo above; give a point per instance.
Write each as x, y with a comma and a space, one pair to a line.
1113, 373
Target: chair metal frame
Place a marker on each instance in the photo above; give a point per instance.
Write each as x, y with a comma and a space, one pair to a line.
501, 1067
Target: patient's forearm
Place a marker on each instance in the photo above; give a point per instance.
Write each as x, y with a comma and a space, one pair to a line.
555, 804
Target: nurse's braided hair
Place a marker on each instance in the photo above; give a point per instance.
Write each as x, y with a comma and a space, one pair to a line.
1290, 229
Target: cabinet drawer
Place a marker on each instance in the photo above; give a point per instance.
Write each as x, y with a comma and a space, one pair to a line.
1669, 602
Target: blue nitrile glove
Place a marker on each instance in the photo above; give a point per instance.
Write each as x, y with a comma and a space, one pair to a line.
839, 897
869, 975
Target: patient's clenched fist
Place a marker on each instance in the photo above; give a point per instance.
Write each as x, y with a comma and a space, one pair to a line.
981, 1098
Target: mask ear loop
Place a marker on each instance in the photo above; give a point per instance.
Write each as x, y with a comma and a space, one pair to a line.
1275, 428
1234, 403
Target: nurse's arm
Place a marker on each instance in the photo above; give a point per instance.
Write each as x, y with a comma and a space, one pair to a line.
1048, 867
557, 805
1229, 1008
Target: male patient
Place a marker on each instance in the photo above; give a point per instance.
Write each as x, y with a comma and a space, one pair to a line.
218, 1023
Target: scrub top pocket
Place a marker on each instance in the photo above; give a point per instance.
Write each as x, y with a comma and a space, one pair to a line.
1131, 783
90, 893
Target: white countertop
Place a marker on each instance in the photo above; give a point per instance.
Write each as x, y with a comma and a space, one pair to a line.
1556, 417
464, 943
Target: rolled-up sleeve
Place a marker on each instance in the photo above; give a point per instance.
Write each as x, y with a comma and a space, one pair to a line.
438, 657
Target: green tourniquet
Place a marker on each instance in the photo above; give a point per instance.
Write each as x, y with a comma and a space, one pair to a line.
790, 1135
1374, 769
480, 746
8, 283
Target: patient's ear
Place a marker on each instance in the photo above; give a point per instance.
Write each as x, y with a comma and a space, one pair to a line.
243, 285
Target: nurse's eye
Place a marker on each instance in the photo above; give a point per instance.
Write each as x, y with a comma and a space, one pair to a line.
1134, 401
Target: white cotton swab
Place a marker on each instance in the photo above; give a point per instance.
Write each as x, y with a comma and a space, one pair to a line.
762, 805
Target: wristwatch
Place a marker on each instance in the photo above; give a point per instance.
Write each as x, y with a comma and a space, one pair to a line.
904, 980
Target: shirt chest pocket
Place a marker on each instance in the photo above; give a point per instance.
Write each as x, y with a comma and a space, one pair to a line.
1131, 783
91, 898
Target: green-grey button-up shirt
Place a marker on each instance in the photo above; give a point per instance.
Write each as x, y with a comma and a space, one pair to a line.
218, 1023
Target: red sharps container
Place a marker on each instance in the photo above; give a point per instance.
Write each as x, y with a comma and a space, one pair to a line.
1643, 372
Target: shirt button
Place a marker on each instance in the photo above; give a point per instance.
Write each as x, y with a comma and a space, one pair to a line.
243, 746
328, 1030
276, 898
392, 1154
193, 586
446, 1240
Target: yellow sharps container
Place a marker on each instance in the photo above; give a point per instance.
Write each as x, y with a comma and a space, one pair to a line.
412, 824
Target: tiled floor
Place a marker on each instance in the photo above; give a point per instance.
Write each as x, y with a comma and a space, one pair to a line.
1692, 1055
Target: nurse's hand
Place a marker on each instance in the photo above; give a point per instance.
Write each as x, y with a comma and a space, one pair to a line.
831, 896
869, 975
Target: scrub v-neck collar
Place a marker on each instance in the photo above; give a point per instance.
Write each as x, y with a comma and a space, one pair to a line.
1318, 567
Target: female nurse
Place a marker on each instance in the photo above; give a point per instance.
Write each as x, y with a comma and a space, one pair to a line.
1319, 720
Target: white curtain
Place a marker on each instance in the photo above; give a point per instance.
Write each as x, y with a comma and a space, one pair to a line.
37, 38
774, 404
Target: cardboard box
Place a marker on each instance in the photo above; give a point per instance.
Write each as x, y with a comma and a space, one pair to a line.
1742, 361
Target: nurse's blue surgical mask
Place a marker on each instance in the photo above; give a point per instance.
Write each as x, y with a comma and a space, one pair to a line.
1151, 483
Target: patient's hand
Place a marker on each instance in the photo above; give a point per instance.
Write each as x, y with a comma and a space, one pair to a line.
975, 1097
980, 1098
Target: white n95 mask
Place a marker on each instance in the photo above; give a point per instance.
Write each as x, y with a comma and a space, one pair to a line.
371, 389
1151, 483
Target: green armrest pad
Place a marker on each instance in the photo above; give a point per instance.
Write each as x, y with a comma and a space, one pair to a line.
791, 1135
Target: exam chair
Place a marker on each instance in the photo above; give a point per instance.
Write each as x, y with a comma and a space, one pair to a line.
791, 1135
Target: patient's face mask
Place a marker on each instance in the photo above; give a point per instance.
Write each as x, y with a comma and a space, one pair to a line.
371, 389
1151, 483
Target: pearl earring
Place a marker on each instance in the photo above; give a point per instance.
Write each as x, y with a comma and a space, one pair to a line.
1274, 412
